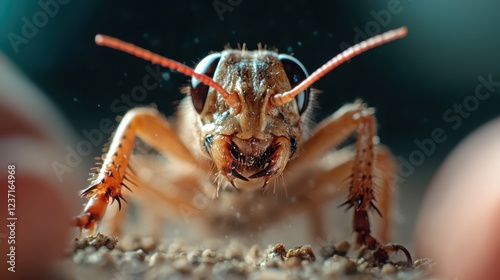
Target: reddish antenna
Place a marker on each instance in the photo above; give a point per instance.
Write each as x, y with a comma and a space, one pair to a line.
117, 44
285, 97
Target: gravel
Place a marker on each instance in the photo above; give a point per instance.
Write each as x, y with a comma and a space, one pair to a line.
103, 257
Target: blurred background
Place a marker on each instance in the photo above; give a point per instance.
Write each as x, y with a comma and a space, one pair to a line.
424, 82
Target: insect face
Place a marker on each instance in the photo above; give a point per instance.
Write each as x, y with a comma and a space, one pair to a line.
252, 145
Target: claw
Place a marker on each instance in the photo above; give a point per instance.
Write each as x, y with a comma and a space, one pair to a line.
119, 202
119, 199
347, 203
235, 153
89, 190
234, 186
237, 175
270, 169
376, 208
396, 248
381, 254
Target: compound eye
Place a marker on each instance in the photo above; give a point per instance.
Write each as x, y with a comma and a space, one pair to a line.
199, 91
296, 73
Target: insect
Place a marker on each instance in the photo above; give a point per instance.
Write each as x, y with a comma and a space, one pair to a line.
242, 128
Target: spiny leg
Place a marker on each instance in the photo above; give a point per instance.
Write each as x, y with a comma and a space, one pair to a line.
168, 190
153, 128
361, 193
330, 133
334, 180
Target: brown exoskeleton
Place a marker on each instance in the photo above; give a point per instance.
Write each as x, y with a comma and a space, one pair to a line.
243, 128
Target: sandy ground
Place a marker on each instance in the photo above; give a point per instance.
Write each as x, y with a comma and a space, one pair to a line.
104, 257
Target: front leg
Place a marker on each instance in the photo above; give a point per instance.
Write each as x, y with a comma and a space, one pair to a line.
154, 129
361, 196
357, 118
361, 186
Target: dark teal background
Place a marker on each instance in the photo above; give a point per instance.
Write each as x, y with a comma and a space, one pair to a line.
411, 82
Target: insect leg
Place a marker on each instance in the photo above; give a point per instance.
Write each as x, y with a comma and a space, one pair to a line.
337, 175
331, 132
154, 129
